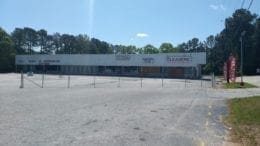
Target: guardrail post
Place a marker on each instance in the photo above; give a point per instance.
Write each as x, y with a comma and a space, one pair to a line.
22, 80
94, 81
213, 80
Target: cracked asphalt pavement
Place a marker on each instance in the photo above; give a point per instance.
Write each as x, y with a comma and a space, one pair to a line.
176, 115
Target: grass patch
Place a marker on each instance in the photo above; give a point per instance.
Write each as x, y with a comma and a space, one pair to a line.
238, 86
244, 118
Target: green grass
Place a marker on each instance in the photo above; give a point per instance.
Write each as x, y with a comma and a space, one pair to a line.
238, 86
245, 110
244, 118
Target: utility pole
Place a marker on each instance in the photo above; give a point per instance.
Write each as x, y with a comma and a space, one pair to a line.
69, 69
241, 59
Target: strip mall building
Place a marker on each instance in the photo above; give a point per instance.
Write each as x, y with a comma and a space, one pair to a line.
173, 65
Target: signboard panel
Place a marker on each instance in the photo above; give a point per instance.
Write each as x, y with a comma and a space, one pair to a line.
230, 67
232, 72
167, 60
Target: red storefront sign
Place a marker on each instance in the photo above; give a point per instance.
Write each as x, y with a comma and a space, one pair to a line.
231, 68
232, 72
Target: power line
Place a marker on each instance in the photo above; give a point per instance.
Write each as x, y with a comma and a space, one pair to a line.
242, 5
250, 4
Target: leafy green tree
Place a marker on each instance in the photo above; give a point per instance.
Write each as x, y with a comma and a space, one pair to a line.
129, 49
67, 44
193, 45
42, 40
49, 48
56, 43
30, 36
82, 44
183, 47
100, 47
7, 52
256, 38
210, 42
168, 48
242, 20
149, 49
19, 40
209, 46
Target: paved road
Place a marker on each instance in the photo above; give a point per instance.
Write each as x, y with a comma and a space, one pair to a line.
112, 116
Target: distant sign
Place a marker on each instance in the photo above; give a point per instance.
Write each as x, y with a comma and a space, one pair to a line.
232, 71
123, 57
149, 60
229, 69
47, 62
156, 60
179, 59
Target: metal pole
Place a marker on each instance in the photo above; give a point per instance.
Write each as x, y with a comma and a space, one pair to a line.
118, 82
141, 82
119, 79
94, 81
69, 71
162, 75
241, 49
43, 75
185, 81
201, 82
42, 80
241, 65
69, 77
141, 77
213, 80
22, 80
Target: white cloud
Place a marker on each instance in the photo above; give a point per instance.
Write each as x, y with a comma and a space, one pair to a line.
142, 35
218, 7
214, 7
222, 7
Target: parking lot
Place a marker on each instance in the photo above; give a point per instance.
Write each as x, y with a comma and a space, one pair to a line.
112, 111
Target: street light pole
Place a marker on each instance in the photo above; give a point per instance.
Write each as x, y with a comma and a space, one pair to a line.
241, 59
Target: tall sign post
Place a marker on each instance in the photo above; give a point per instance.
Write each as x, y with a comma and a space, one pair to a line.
241, 59
232, 69
22, 80
229, 69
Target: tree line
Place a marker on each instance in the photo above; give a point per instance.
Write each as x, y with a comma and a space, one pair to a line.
29, 41
218, 47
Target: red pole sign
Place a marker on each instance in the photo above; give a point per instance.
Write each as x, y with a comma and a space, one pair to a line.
232, 69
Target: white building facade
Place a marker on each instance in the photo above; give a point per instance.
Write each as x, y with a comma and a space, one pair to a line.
172, 65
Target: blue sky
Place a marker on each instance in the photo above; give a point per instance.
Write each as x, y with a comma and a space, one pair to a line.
137, 22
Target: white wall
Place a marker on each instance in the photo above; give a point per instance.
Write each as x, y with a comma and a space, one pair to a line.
167, 60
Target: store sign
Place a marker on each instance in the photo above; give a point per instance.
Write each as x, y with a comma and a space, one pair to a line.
157, 60
149, 60
47, 62
232, 73
123, 57
20, 61
229, 69
179, 59
32, 61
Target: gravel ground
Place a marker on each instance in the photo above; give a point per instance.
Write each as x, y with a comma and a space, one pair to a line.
113, 113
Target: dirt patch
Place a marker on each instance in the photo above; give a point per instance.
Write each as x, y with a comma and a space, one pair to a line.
243, 121
245, 135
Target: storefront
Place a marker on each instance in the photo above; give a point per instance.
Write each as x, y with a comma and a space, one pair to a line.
172, 65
